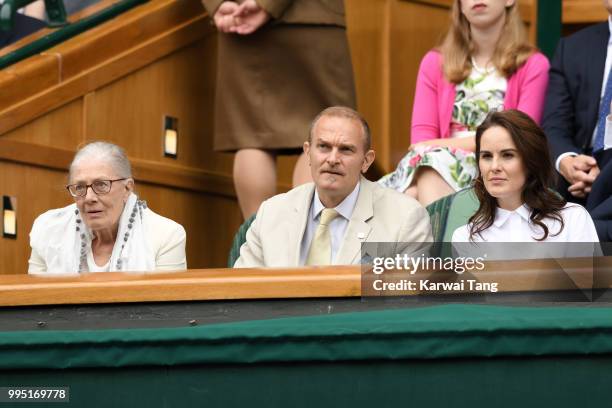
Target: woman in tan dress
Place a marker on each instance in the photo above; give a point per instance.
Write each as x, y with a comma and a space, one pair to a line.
280, 62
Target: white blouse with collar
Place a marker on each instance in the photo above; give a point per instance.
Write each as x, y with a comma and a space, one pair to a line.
514, 226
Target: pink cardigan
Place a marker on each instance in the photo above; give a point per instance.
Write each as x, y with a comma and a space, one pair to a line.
434, 96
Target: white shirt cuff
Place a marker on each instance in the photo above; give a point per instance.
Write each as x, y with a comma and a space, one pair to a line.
608, 133
563, 156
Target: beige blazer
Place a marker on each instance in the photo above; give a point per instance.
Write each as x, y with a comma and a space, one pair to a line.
167, 241
329, 12
380, 215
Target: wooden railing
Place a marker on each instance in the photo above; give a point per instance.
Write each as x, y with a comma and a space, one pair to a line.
283, 283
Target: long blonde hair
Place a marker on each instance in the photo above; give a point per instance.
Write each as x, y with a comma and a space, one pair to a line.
511, 51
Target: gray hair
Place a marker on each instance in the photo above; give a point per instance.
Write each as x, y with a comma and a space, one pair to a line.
348, 113
110, 152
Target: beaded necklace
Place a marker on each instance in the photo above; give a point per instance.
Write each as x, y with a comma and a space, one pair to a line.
139, 206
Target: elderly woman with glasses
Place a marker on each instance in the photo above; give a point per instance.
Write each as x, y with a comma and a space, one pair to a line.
107, 228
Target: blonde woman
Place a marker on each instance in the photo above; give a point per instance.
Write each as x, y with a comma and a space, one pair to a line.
483, 64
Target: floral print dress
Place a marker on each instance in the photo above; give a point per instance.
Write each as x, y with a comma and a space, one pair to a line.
482, 92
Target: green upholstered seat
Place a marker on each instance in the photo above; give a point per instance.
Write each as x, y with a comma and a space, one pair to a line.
450, 212
438, 214
239, 239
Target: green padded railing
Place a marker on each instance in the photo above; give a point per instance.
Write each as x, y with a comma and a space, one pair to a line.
56, 12
239, 239
66, 32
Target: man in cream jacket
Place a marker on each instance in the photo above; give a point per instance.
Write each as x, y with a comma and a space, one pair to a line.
325, 222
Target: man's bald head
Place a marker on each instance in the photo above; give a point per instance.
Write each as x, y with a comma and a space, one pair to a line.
348, 113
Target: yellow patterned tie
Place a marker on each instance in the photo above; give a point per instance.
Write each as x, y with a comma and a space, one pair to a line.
320, 247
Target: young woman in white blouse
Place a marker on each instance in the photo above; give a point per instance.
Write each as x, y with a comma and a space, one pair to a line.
513, 186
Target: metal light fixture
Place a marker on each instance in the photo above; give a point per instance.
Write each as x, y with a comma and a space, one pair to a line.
170, 136
9, 217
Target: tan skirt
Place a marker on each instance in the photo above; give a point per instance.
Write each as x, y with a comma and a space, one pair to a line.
271, 84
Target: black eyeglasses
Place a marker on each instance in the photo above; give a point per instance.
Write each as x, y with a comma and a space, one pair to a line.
99, 187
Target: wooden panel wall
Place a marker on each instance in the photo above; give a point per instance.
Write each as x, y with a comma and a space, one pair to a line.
37, 190
129, 112
578, 14
583, 11
116, 82
416, 28
370, 51
61, 127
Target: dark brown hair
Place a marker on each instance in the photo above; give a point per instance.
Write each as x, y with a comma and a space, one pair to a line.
538, 194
